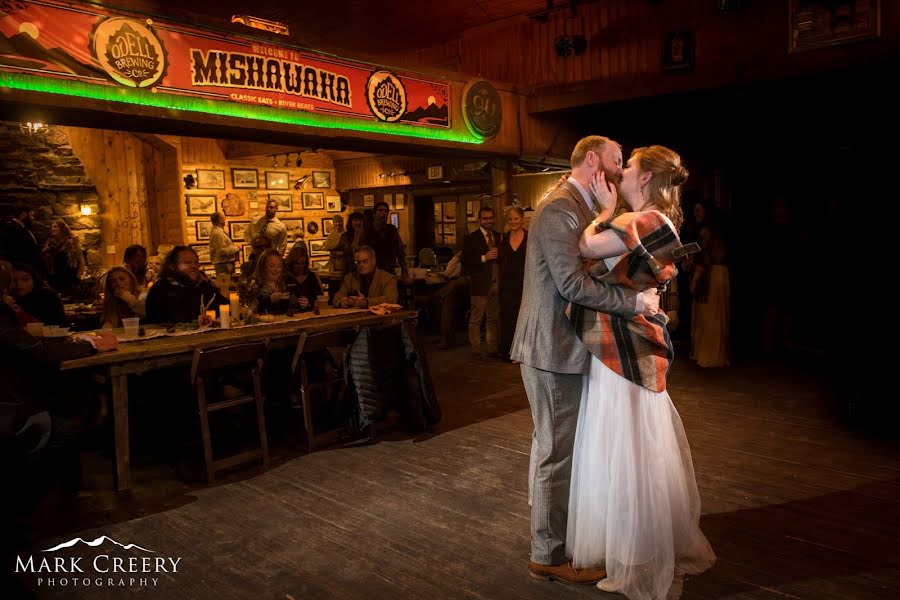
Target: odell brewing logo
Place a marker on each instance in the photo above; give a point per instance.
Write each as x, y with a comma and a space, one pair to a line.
386, 96
481, 109
129, 51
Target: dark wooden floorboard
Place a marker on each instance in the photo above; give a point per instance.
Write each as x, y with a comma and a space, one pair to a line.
796, 503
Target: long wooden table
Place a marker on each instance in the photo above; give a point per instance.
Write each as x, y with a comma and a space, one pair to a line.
134, 358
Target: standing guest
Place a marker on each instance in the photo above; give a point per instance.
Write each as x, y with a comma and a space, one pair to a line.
511, 262
222, 251
35, 298
333, 245
369, 285
479, 260
121, 297
63, 258
271, 226
303, 284
136, 262
447, 297
17, 242
352, 239
180, 291
268, 284
385, 240
711, 291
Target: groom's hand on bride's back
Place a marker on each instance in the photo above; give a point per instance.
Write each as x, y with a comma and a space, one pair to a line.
650, 299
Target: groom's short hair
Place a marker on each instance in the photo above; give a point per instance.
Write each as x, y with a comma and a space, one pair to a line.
591, 143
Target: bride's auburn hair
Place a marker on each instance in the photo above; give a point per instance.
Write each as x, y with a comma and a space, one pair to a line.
663, 191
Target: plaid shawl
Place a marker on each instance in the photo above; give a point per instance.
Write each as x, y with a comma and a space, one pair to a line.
638, 349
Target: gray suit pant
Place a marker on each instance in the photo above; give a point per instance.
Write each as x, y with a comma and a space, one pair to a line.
554, 400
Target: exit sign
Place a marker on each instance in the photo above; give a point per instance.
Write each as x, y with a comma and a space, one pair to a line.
436, 172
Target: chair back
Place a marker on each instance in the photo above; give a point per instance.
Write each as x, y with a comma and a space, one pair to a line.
311, 342
206, 361
427, 258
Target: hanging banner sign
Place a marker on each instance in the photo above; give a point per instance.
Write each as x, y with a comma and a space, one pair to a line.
87, 44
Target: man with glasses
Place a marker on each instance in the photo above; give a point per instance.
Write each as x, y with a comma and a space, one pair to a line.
385, 241
369, 285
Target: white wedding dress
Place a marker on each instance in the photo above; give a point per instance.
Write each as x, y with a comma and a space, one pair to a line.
634, 507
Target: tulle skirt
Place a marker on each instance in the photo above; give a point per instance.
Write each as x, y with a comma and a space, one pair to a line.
710, 341
634, 507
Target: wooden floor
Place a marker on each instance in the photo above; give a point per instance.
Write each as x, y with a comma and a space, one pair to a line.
796, 503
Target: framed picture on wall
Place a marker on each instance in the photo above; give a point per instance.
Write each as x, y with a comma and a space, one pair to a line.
244, 178
200, 205
399, 201
820, 23
368, 200
321, 179
210, 179
246, 251
319, 264
285, 202
202, 251
395, 219
313, 200
278, 180
387, 199
327, 225
317, 248
204, 229
294, 228
333, 204
239, 231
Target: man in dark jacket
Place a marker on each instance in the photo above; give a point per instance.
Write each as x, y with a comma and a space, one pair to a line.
479, 261
385, 240
17, 242
178, 294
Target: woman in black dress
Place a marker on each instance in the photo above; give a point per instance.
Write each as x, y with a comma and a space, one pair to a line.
512, 273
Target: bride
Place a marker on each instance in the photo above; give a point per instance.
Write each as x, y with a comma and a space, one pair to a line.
634, 506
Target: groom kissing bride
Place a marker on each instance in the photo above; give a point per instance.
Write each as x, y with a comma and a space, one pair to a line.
594, 355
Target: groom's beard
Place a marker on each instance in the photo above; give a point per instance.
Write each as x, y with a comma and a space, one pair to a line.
612, 177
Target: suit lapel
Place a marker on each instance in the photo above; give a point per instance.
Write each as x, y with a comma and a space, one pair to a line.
583, 210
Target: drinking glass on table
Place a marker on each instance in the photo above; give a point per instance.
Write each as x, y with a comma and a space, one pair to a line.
131, 325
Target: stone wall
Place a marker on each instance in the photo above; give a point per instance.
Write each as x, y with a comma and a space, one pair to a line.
43, 172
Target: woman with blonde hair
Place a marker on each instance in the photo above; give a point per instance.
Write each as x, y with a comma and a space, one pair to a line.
634, 507
268, 283
121, 297
64, 258
511, 267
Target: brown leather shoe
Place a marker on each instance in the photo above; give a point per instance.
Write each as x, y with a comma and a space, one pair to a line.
566, 573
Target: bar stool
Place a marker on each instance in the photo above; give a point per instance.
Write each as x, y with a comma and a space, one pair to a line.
310, 345
206, 369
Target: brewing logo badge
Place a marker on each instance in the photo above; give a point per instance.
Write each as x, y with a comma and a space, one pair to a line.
386, 96
129, 51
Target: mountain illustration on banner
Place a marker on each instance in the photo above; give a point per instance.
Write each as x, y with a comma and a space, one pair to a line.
16, 51
431, 114
93, 544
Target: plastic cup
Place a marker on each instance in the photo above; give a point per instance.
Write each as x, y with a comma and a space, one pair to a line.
131, 325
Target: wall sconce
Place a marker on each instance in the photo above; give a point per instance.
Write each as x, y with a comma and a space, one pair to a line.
33, 128
382, 175
85, 209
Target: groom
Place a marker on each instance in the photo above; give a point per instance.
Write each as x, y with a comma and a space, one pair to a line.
553, 359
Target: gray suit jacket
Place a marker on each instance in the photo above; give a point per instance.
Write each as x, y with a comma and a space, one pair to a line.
554, 277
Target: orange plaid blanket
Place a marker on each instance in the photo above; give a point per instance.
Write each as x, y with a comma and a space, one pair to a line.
639, 348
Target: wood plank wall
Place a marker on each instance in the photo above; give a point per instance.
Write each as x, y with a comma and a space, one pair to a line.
625, 47
115, 161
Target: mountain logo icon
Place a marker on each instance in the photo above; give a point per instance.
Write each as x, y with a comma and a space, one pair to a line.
95, 543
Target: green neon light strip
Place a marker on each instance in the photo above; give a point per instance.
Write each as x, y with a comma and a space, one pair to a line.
142, 97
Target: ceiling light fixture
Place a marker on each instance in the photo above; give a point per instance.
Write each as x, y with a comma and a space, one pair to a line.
274, 161
263, 24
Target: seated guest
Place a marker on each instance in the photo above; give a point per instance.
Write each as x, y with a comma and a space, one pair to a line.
302, 283
121, 297
136, 262
368, 286
35, 298
63, 257
268, 284
180, 292
32, 442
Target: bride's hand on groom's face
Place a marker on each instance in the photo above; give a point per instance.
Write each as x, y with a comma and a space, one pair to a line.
603, 191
